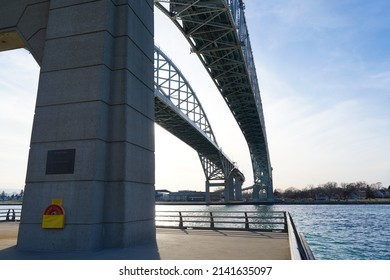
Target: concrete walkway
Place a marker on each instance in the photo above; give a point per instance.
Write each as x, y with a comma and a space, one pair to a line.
172, 244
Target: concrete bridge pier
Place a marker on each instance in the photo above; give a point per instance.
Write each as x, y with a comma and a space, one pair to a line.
238, 188
92, 143
262, 193
256, 193
229, 188
207, 192
213, 184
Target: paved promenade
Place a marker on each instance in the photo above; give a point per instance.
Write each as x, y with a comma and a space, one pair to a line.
172, 244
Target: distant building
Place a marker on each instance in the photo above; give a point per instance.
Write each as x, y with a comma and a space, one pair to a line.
162, 195
186, 196
358, 195
321, 196
386, 193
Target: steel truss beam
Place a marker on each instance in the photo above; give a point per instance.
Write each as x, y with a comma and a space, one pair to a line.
218, 34
178, 110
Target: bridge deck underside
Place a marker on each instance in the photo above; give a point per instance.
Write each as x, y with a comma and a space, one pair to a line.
209, 27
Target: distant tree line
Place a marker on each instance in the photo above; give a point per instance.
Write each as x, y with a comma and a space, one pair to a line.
5, 196
333, 191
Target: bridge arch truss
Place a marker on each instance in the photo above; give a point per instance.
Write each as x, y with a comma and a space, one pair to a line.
178, 110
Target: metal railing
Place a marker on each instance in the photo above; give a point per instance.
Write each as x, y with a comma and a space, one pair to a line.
299, 248
275, 221
10, 214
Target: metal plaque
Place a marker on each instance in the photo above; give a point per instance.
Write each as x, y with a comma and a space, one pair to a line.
60, 161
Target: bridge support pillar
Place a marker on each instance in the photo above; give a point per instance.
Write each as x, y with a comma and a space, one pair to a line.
92, 142
229, 189
207, 195
270, 194
238, 188
256, 193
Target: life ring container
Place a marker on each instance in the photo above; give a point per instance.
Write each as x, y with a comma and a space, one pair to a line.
54, 209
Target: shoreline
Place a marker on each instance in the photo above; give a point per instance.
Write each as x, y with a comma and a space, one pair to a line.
347, 202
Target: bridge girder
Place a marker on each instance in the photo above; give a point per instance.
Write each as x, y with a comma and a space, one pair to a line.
216, 31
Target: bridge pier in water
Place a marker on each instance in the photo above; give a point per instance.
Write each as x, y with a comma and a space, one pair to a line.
229, 189
238, 188
262, 193
92, 143
232, 189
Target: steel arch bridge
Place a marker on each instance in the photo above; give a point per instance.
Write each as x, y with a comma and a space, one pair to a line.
178, 110
217, 32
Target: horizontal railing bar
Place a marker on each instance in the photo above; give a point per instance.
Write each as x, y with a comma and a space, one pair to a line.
222, 212
222, 222
217, 218
229, 228
223, 217
217, 211
183, 214
237, 220
10, 214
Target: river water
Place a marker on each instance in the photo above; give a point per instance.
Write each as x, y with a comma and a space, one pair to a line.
334, 232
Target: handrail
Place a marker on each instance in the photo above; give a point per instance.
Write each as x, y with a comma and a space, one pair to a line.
229, 220
308, 252
299, 248
275, 221
10, 214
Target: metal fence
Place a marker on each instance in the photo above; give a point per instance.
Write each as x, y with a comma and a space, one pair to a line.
10, 213
235, 220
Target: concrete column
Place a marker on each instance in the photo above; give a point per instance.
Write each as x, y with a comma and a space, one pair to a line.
238, 188
229, 189
92, 142
255, 193
270, 193
207, 197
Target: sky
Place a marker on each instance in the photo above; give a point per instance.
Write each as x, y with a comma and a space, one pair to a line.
324, 74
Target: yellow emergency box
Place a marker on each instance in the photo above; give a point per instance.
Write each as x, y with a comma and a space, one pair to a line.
54, 215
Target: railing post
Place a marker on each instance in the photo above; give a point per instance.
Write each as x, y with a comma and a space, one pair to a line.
13, 215
211, 220
285, 221
246, 221
180, 220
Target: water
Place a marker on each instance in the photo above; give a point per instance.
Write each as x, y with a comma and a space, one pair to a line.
334, 232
